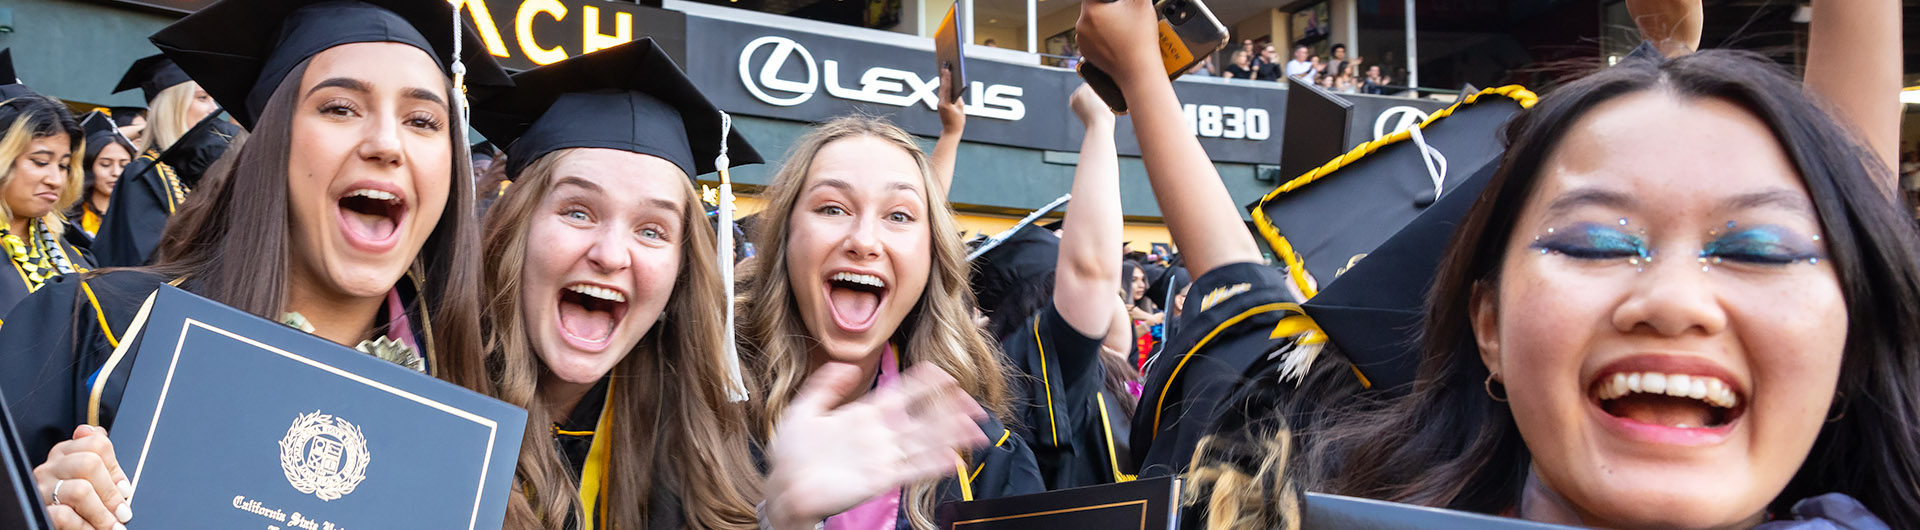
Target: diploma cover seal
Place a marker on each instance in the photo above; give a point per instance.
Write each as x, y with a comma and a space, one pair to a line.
324, 456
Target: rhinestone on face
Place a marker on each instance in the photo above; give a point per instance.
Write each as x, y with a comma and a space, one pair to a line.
1623, 221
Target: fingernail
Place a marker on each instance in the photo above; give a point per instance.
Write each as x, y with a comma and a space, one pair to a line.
126, 489
118, 526
125, 512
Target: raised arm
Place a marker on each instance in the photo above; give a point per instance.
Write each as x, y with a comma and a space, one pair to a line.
1853, 61
946, 150
1203, 219
1672, 25
1089, 262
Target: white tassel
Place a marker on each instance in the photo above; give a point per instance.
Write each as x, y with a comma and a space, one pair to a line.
459, 70
736, 385
1299, 356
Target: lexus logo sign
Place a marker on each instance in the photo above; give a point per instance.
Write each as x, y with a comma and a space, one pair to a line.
879, 84
769, 79
1396, 119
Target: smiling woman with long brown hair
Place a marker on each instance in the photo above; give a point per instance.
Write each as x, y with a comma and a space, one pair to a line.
861, 282
347, 214
604, 296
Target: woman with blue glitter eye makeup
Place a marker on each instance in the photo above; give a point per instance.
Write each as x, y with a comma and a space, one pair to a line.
1682, 301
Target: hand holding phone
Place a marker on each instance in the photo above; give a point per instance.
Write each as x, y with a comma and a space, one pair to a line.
1109, 32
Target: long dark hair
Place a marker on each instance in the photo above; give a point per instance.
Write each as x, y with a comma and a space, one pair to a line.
95, 143
1449, 444
231, 239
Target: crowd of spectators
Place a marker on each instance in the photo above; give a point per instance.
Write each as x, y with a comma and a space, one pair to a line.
1336, 72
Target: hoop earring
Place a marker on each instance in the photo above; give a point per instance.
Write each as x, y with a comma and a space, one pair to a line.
1502, 396
1841, 399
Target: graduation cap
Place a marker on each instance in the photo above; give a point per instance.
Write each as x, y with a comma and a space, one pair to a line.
240, 50
98, 128
151, 74
1022, 259
1332, 227
10, 85
628, 97
199, 147
1031, 218
97, 123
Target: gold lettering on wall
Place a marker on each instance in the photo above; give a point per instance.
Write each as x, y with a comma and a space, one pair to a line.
483, 22
523, 30
593, 40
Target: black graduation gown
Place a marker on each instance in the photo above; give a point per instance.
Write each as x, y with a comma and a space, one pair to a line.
62, 335
574, 440
1003, 469
148, 193
13, 283
1076, 428
1220, 346
152, 188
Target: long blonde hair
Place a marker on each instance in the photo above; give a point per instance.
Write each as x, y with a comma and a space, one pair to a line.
167, 118
939, 329
32, 124
677, 428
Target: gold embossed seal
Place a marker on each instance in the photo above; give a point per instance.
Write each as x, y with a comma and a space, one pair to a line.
324, 455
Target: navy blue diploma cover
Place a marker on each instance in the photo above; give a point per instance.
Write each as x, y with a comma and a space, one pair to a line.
233, 421
1147, 504
1336, 511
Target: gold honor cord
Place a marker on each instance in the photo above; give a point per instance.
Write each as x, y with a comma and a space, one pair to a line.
736, 387
593, 479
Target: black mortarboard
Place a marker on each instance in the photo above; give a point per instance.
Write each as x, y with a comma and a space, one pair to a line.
1374, 314
151, 74
1361, 236
97, 123
628, 97
10, 85
1335, 214
1029, 255
199, 147
240, 50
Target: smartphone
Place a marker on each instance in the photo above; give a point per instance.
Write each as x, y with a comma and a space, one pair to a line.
1188, 34
949, 52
